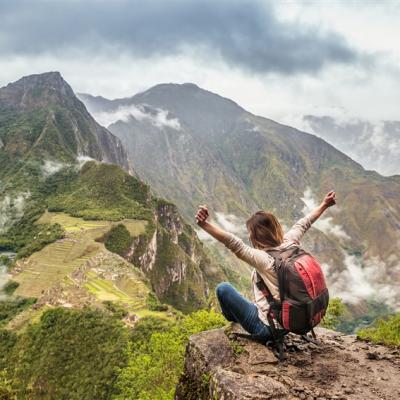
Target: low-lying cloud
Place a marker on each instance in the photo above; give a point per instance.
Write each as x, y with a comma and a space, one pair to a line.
155, 116
324, 224
231, 223
51, 167
11, 210
247, 33
374, 144
363, 280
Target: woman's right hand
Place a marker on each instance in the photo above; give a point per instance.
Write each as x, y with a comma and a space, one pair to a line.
202, 215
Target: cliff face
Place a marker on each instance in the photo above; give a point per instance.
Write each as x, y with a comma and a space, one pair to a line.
175, 261
219, 365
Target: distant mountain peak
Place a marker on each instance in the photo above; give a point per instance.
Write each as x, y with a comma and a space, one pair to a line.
30, 92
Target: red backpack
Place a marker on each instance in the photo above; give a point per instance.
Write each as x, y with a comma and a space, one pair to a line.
303, 295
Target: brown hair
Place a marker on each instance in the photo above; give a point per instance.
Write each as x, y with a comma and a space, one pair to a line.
265, 230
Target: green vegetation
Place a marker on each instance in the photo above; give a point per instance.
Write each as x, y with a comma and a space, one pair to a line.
9, 308
115, 309
154, 304
102, 192
6, 391
68, 354
118, 239
336, 310
383, 331
237, 348
26, 236
88, 354
9, 287
155, 358
354, 319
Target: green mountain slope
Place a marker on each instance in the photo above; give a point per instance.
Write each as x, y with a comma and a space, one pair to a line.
196, 147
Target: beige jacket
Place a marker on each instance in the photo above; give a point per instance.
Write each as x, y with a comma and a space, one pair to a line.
263, 262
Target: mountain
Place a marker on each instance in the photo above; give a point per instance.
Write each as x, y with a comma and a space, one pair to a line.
376, 145
102, 210
194, 147
48, 195
43, 125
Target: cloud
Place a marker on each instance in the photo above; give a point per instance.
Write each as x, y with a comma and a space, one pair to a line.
11, 209
361, 280
246, 33
231, 223
156, 116
51, 167
228, 222
374, 144
324, 224
205, 237
82, 160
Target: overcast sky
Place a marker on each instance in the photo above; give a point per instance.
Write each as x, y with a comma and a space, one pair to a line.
280, 59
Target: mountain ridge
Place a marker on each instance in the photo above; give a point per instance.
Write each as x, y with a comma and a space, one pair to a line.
207, 150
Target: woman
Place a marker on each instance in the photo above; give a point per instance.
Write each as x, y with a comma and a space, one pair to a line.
265, 233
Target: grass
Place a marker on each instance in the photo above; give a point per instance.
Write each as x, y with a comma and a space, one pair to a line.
57, 260
106, 290
383, 331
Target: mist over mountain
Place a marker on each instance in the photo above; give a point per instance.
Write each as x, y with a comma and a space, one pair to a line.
375, 145
196, 147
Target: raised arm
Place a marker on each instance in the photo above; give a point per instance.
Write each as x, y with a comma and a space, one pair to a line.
303, 224
213, 230
259, 259
328, 201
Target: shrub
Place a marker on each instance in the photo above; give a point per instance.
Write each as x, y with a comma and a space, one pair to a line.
118, 239
336, 309
9, 308
9, 287
69, 354
383, 331
156, 361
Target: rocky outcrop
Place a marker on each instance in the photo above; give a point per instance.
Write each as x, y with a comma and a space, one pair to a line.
220, 365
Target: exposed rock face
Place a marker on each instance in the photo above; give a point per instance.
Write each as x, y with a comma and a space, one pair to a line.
178, 266
340, 367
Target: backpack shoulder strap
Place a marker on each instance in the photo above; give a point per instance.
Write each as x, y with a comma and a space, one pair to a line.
280, 257
263, 288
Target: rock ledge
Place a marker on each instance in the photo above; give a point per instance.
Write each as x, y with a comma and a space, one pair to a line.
220, 365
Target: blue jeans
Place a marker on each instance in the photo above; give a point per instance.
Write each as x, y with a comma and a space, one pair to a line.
236, 308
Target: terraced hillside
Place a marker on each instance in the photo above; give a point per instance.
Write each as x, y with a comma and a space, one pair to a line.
56, 262
79, 218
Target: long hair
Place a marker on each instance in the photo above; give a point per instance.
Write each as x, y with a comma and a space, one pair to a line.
264, 230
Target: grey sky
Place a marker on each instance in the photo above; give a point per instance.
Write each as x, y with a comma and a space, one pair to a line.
282, 59
245, 33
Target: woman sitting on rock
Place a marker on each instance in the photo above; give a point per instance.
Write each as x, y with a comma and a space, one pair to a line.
265, 234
